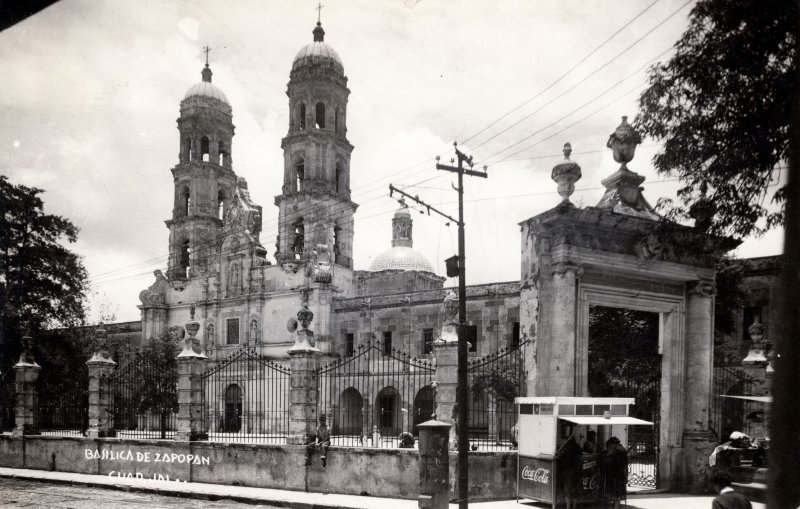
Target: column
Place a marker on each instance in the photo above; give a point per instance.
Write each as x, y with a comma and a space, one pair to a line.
698, 440
434, 465
304, 391
100, 367
26, 408
446, 388
557, 370
191, 364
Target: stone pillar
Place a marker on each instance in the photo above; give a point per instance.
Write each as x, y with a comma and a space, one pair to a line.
558, 377
434, 465
100, 367
446, 376
698, 440
26, 408
191, 364
304, 390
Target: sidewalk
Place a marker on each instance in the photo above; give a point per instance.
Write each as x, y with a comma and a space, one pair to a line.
303, 500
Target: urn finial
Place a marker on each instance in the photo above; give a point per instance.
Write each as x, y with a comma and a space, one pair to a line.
565, 174
623, 142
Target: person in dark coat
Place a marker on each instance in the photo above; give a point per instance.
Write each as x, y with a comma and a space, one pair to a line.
570, 466
727, 498
615, 467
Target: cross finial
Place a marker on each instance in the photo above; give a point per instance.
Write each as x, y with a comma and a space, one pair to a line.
319, 12
207, 50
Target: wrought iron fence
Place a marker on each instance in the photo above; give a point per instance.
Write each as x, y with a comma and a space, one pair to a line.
643, 441
144, 394
494, 382
246, 399
374, 396
62, 400
730, 414
7, 398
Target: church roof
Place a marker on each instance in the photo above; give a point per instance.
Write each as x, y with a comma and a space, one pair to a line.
400, 258
318, 53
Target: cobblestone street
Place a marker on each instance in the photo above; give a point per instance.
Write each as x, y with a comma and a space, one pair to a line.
39, 495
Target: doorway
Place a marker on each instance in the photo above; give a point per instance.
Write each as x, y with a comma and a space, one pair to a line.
233, 409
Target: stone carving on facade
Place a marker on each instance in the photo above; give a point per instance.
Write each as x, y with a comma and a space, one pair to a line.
254, 336
101, 352
210, 336
449, 332
703, 289
562, 268
565, 174
156, 294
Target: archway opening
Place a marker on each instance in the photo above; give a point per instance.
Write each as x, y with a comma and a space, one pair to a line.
625, 362
204, 148
320, 117
388, 412
423, 406
184, 263
233, 409
302, 114
350, 414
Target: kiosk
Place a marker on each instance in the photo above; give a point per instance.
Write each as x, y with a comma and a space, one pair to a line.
545, 424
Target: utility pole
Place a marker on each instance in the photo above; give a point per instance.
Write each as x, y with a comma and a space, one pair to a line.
461, 394
462, 435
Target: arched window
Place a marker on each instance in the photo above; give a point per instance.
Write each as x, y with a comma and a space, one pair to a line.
187, 149
185, 257
299, 239
223, 154
204, 148
299, 174
302, 115
337, 247
336, 120
387, 411
320, 115
221, 204
185, 202
339, 178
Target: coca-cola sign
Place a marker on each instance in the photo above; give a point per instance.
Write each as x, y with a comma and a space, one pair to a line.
540, 475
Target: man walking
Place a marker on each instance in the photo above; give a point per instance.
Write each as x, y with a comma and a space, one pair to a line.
727, 498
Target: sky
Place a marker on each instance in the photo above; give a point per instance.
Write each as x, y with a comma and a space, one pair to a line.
91, 91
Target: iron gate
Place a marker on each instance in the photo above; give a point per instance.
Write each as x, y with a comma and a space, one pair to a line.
144, 395
494, 382
375, 395
730, 414
62, 400
643, 441
246, 399
7, 398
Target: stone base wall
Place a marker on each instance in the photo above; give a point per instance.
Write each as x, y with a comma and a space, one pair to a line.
352, 471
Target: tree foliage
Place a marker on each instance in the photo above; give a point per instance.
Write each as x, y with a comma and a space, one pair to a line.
721, 105
42, 283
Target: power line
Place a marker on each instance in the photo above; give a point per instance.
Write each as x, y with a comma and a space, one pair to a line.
548, 87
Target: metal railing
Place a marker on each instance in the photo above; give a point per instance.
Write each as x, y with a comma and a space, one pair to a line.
144, 396
246, 399
62, 400
7, 399
375, 396
494, 381
730, 414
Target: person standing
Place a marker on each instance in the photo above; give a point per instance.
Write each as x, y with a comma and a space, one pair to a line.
615, 464
590, 445
570, 467
321, 440
727, 498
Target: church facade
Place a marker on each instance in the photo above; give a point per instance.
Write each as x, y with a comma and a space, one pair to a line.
572, 260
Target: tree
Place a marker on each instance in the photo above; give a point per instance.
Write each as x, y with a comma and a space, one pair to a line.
158, 365
42, 283
721, 106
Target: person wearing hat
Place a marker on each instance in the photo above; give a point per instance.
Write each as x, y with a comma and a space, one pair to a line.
321, 440
727, 498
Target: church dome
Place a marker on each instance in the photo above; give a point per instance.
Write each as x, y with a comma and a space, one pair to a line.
318, 54
206, 89
400, 258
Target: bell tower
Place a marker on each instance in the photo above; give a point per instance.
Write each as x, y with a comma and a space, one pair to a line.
314, 205
204, 180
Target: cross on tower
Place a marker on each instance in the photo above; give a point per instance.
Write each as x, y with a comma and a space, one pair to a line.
319, 12
207, 50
